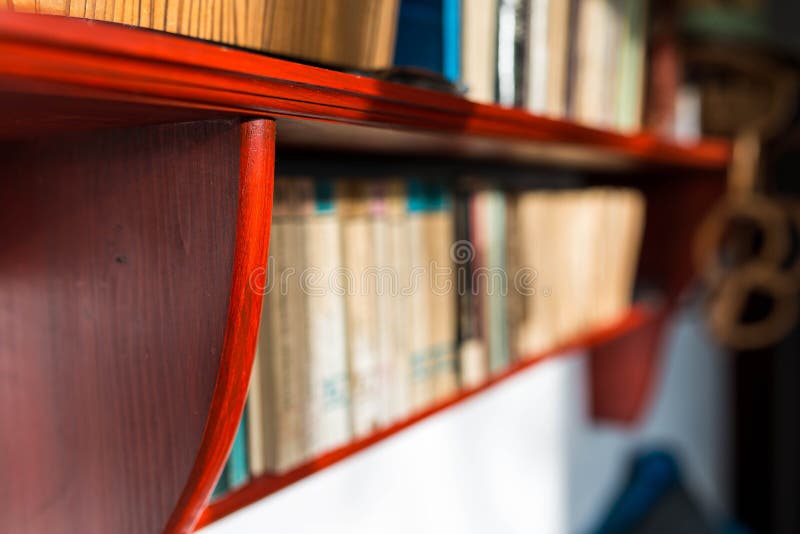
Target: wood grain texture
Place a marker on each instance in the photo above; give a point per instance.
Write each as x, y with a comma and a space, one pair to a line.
65, 57
638, 318
244, 315
116, 254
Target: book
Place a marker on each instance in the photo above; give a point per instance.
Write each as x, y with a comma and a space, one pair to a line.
360, 303
237, 471
421, 386
325, 322
356, 34
479, 49
442, 299
538, 56
382, 280
429, 36
398, 250
512, 20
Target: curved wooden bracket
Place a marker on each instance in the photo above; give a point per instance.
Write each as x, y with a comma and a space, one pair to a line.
244, 313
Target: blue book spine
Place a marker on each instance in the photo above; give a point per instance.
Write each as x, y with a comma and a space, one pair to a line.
451, 34
237, 469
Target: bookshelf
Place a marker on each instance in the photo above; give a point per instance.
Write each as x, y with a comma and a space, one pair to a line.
148, 405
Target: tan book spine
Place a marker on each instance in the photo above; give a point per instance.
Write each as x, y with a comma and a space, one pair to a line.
357, 257
77, 8
400, 315
443, 297
174, 15
25, 6
53, 7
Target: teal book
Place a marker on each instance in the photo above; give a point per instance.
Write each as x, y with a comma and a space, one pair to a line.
236, 470
222, 484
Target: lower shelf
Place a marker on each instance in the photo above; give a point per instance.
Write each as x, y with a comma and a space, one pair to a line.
639, 320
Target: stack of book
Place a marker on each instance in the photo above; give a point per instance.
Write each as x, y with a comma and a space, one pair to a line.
346, 33
577, 59
385, 297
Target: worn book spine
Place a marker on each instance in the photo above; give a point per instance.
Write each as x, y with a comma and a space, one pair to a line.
538, 56
325, 325
399, 250
496, 316
381, 279
357, 256
471, 355
479, 49
477, 370
420, 334
442, 295
512, 21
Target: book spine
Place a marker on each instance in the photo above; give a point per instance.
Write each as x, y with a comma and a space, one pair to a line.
479, 283
451, 35
511, 47
237, 469
400, 318
538, 55
479, 49
442, 297
357, 257
328, 420
382, 279
420, 337
496, 316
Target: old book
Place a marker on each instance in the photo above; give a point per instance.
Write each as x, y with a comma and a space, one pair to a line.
237, 471
479, 49
357, 257
442, 300
538, 56
398, 251
515, 276
632, 65
421, 386
281, 364
325, 325
472, 362
380, 277
357, 34
512, 21
558, 24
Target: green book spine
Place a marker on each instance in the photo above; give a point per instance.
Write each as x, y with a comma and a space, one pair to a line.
237, 468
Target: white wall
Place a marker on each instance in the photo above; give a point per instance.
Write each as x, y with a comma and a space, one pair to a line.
523, 457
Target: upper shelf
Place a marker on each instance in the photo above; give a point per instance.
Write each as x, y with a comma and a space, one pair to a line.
60, 74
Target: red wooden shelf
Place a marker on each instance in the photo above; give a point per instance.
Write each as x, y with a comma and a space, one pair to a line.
60, 73
640, 321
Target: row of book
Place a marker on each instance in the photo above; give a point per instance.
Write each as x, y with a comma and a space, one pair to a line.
384, 298
582, 59
343, 33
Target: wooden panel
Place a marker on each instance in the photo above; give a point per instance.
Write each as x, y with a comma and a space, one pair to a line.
116, 254
628, 325
244, 316
90, 61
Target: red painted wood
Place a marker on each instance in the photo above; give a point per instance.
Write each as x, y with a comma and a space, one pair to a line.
116, 253
629, 325
623, 373
58, 57
244, 313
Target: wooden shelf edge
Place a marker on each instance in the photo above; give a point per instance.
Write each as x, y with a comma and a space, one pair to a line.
101, 62
638, 317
